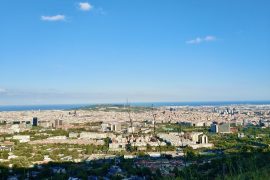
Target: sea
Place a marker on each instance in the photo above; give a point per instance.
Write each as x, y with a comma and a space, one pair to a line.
144, 104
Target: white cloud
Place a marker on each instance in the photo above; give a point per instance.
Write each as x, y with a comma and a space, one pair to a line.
199, 40
210, 38
85, 6
195, 41
53, 18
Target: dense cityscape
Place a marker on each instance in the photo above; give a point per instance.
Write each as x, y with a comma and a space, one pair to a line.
134, 90
132, 142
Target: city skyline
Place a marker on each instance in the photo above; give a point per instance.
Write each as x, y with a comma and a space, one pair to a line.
79, 52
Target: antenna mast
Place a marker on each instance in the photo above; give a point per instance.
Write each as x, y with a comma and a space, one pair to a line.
129, 116
154, 117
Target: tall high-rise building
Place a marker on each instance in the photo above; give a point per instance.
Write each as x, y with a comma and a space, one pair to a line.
56, 123
60, 122
35, 121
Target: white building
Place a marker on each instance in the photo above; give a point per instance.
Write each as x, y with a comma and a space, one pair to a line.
171, 138
105, 127
117, 146
73, 135
93, 135
116, 127
22, 138
57, 138
132, 129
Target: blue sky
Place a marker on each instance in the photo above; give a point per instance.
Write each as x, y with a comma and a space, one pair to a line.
66, 51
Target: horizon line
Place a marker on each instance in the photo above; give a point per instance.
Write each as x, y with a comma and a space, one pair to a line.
139, 102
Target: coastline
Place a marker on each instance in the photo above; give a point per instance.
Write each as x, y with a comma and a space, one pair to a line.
143, 104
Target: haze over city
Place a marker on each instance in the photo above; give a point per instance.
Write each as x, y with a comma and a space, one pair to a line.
70, 52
